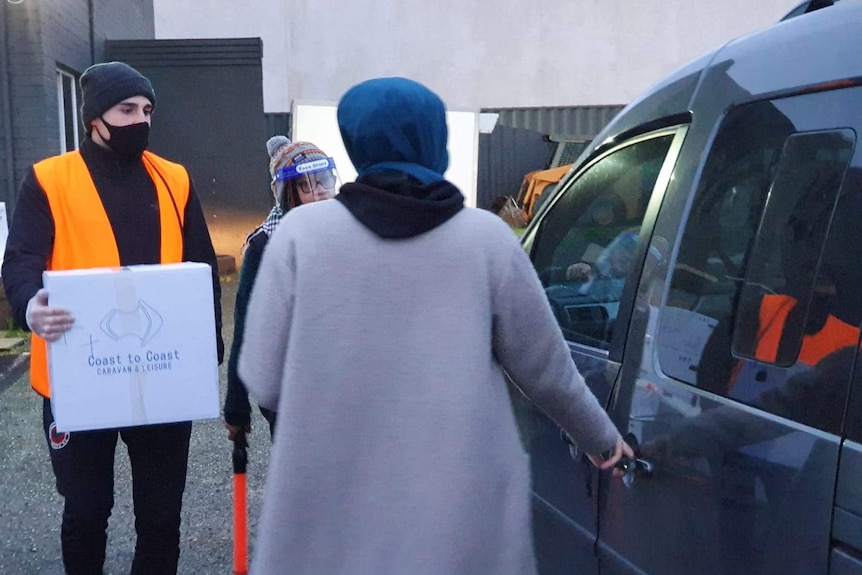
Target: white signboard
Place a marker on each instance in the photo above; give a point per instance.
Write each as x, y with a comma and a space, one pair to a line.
142, 349
318, 123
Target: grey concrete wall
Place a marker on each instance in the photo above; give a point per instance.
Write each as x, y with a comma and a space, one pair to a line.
121, 20
479, 54
33, 133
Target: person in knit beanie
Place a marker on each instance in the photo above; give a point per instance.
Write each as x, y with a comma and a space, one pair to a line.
117, 107
107, 84
301, 173
286, 163
111, 203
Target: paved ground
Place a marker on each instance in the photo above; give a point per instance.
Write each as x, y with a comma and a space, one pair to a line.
30, 507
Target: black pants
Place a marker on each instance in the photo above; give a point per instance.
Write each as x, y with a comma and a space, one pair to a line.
270, 417
83, 463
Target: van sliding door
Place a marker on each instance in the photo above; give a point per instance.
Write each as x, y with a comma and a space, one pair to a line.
738, 408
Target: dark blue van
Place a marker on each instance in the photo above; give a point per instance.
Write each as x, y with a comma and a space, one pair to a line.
704, 261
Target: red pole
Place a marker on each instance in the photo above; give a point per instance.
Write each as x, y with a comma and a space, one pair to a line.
240, 510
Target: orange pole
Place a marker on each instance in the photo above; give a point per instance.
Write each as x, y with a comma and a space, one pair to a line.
240, 529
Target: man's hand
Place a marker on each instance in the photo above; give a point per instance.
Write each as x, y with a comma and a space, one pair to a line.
49, 323
234, 430
622, 448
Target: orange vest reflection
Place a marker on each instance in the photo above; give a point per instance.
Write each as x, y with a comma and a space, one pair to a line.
774, 310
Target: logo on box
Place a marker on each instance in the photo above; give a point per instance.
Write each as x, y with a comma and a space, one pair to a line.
143, 322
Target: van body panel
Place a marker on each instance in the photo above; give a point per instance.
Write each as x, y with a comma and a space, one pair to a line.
757, 488
847, 521
821, 47
748, 462
565, 487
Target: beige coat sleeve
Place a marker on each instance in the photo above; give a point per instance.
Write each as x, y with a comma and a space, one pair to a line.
530, 346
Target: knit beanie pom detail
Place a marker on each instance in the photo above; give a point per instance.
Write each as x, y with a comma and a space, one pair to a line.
276, 142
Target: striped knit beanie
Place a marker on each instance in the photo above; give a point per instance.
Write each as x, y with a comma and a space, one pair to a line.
284, 153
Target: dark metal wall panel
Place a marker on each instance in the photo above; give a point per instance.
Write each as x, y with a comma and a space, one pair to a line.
520, 143
7, 168
277, 124
209, 114
196, 53
505, 155
39, 38
574, 122
27, 129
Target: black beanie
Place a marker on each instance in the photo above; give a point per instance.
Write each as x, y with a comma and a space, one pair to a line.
105, 85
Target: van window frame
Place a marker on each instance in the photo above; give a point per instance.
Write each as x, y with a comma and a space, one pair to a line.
675, 126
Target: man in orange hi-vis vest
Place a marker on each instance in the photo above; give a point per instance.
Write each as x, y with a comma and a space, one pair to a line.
112, 203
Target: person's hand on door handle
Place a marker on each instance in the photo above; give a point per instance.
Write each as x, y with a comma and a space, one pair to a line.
610, 459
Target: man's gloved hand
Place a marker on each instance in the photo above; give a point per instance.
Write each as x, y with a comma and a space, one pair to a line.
47, 322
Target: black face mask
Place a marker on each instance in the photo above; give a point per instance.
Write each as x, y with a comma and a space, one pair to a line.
128, 142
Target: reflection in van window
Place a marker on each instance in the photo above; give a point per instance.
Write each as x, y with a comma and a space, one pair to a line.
586, 246
750, 292
784, 262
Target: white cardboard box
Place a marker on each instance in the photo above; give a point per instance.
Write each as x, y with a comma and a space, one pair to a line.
142, 349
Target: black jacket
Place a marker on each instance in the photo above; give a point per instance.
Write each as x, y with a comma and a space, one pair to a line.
237, 409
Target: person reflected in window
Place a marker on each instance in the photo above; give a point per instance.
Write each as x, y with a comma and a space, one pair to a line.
823, 333
796, 328
606, 278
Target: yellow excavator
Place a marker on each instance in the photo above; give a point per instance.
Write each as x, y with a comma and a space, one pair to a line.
535, 184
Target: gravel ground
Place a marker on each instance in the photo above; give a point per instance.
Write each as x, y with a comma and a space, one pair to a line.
30, 507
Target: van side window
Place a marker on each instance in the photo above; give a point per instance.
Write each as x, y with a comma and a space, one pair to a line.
760, 275
586, 245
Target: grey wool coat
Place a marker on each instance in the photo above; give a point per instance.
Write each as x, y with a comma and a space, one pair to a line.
396, 449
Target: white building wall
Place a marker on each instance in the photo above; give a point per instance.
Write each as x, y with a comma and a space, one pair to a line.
485, 53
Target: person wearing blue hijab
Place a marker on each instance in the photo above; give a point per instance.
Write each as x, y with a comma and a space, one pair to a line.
383, 328
395, 132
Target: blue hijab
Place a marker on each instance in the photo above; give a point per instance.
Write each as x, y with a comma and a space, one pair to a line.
395, 124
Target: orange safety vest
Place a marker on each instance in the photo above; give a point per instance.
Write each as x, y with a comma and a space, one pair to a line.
83, 237
774, 310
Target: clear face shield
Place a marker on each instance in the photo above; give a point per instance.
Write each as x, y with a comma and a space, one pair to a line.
306, 182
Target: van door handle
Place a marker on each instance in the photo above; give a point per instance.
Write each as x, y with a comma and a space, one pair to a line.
637, 465
634, 469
